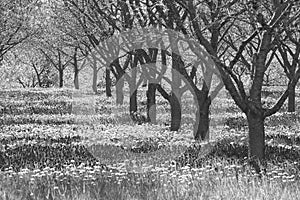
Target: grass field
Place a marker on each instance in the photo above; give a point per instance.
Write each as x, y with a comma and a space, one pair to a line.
60, 144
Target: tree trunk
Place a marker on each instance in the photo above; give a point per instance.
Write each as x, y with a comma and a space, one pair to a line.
38, 75
95, 76
76, 78
107, 83
133, 103
76, 69
175, 112
61, 78
119, 91
256, 139
201, 126
133, 88
151, 103
39, 80
291, 100
175, 104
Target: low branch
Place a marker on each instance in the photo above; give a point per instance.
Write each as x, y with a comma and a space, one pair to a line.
283, 97
241, 49
163, 92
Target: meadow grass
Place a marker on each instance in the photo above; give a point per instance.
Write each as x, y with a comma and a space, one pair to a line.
120, 172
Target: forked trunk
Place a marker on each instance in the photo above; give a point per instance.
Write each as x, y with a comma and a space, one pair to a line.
39, 80
256, 139
175, 112
291, 100
151, 103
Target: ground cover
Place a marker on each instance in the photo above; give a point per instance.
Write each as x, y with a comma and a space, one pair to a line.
46, 154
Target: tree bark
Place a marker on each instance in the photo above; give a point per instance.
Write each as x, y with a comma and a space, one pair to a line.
38, 74
133, 102
76, 69
76, 78
256, 139
201, 126
119, 72
291, 100
133, 88
175, 104
255, 112
151, 103
61, 78
39, 80
107, 83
